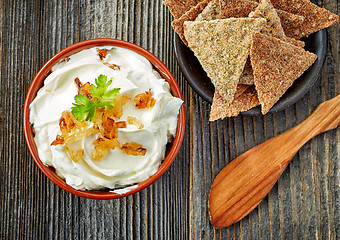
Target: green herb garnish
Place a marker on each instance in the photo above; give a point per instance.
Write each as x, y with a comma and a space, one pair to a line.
85, 109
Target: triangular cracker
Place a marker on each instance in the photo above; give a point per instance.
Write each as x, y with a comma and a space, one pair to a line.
222, 48
179, 7
291, 23
276, 65
243, 102
316, 18
274, 27
236, 8
241, 88
247, 77
295, 42
190, 15
211, 12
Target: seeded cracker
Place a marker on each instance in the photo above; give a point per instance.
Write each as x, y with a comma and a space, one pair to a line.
274, 28
219, 106
211, 12
247, 77
242, 8
236, 8
191, 15
316, 18
240, 89
179, 7
295, 42
276, 64
291, 23
222, 48
243, 102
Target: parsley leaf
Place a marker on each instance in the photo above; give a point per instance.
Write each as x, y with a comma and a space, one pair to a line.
110, 95
84, 109
102, 85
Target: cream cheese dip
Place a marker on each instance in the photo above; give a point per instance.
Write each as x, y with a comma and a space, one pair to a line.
117, 169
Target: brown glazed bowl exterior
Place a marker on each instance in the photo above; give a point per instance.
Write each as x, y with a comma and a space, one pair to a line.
37, 83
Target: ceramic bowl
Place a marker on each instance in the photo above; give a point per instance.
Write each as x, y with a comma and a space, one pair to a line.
172, 148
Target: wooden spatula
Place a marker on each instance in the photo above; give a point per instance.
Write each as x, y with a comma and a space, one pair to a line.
244, 182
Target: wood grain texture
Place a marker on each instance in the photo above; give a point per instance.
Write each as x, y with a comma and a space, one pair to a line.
244, 182
304, 204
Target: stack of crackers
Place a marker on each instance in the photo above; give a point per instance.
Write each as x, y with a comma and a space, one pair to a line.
250, 50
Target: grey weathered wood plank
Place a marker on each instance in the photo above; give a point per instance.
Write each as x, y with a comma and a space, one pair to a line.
304, 204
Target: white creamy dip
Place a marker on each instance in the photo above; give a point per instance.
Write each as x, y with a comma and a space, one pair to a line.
116, 169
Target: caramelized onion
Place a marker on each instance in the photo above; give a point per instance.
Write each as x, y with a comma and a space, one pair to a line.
79, 135
75, 155
133, 148
102, 53
135, 121
102, 147
144, 100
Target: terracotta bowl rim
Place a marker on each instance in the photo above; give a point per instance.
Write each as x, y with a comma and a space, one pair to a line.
38, 82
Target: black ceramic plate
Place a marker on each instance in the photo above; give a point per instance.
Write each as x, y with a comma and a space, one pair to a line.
199, 81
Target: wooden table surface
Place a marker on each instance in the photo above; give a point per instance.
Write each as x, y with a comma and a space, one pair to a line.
304, 204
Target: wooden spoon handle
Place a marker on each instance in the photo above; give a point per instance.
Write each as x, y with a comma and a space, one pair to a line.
325, 117
244, 182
